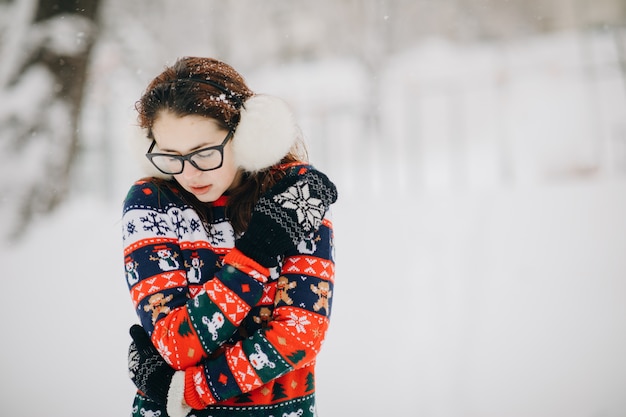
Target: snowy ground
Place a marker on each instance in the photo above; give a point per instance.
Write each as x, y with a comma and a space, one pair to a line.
497, 304
509, 303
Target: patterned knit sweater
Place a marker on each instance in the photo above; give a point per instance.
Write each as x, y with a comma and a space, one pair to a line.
245, 337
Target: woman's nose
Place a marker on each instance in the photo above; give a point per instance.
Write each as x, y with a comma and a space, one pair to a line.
190, 171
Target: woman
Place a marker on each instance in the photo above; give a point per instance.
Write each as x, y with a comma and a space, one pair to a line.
229, 254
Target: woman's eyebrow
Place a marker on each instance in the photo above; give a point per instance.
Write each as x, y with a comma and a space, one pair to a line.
204, 145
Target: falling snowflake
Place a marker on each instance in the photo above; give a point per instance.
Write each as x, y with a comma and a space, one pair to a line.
298, 322
309, 210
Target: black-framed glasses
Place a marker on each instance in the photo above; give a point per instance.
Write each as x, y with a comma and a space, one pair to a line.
205, 159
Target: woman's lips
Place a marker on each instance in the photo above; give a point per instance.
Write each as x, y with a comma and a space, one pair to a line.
200, 190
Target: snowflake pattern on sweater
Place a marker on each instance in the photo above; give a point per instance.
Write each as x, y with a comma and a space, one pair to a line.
245, 337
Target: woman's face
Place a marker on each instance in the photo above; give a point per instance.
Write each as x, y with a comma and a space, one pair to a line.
181, 135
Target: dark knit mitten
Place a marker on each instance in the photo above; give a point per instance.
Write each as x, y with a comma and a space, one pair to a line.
148, 370
288, 212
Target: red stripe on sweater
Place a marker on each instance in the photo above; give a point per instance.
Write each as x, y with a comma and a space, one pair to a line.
147, 242
309, 265
152, 285
201, 244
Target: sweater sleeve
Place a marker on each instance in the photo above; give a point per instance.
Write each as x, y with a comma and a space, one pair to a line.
183, 328
291, 340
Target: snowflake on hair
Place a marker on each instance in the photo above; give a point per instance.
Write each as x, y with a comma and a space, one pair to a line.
221, 97
309, 210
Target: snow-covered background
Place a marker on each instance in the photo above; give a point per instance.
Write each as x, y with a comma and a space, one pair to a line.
481, 236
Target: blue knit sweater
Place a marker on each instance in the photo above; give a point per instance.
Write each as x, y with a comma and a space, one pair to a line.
244, 346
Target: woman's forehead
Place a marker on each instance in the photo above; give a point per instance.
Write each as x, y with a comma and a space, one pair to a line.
185, 133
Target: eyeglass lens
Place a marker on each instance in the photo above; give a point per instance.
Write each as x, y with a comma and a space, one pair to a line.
204, 160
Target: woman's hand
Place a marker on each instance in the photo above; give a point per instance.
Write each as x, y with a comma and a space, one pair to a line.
148, 370
288, 212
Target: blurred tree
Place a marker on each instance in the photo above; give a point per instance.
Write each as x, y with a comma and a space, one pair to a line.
45, 54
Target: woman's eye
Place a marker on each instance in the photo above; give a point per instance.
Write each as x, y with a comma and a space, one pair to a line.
170, 158
206, 154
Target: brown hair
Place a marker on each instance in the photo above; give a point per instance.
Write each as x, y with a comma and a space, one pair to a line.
213, 89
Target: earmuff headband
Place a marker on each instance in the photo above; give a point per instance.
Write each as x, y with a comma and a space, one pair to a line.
217, 86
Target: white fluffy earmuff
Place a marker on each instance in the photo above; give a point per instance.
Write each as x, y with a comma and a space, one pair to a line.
265, 133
